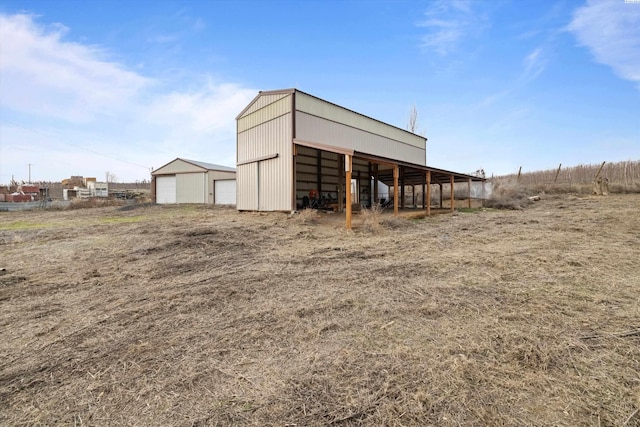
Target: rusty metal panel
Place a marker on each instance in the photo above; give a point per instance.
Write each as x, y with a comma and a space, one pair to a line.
334, 113
266, 185
190, 187
263, 101
315, 129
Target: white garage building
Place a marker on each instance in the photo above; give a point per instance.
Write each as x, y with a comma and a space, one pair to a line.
191, 181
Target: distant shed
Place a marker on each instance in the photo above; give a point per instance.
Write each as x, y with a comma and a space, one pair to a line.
191, 181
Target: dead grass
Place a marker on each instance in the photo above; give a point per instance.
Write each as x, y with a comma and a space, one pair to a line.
508, 194
201, 317
372, 218
623, 177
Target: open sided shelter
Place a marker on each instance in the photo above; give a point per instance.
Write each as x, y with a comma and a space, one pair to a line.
292, 146
191, 181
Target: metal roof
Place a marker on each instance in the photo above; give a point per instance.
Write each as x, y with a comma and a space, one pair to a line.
202, 165
209, 166
414, 174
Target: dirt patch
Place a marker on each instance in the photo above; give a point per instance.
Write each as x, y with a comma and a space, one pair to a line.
206, 316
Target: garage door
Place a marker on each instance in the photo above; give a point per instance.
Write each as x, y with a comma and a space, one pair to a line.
166, 189
225, 192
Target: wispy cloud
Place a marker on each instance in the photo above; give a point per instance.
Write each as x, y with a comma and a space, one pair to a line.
610, 29
59, 93
534, 64
448, 23
43, 74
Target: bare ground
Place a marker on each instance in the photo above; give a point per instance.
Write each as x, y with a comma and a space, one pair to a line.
205, 316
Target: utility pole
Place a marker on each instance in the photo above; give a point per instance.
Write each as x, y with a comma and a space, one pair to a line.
29, 172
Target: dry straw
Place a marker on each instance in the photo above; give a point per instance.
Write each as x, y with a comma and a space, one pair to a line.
190, 316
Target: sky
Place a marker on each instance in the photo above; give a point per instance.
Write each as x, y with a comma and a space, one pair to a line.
124, 87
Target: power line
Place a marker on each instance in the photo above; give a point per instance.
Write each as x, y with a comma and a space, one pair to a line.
75, 145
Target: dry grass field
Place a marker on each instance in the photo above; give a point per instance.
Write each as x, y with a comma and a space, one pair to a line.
194, 316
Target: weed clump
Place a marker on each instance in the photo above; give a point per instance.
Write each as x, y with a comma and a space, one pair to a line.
508, 195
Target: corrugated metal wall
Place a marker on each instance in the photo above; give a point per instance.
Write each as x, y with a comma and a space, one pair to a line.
317, 107
316, 129
177, 166
247, 187
263, 101
307, 173
266, 185
191, 187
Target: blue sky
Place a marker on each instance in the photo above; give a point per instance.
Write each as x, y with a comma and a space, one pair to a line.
123, 86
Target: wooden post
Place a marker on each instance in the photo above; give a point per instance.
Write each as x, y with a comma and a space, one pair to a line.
341, 186
428, 193
402, 187
375, 183
599, 170
395, 190
557, 173
424, 202
440, 185
347, 169
519, 173
453, 200
469, 193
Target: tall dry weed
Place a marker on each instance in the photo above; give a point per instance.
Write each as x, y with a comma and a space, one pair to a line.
623, 177
372, 218
305, 216
508, 194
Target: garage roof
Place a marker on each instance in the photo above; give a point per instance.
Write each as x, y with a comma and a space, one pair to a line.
174, 166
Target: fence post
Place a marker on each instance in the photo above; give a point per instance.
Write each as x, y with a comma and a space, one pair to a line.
557, 173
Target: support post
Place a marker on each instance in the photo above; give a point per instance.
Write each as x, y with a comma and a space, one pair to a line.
402, 187
440, 185
428, 193
469, 193
347, 169
395, 190
424, 206
557, 173
375, 183
452, 199
341, 186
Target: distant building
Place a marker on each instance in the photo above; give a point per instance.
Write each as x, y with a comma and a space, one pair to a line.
293, 147
191, 181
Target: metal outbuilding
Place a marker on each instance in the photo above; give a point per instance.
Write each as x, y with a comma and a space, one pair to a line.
191, 181
292, 145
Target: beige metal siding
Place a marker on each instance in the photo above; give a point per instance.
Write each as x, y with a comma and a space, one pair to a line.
315, 129
190, 188
266, 185
213, 176
247, 187
317, 107
177, 166
263, 101
265, 114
